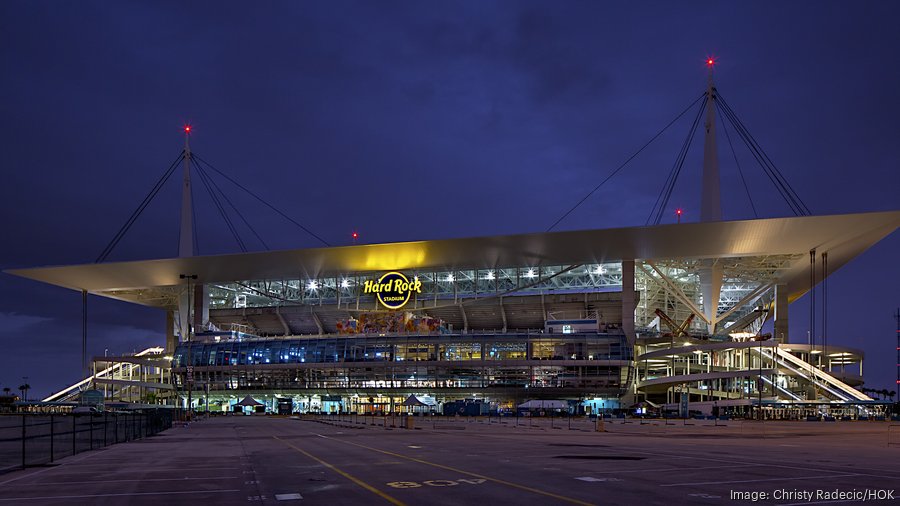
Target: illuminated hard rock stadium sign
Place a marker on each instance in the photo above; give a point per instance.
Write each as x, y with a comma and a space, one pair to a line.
393, 290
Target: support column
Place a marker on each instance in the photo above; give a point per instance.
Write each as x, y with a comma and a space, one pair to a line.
781, 313
184, 312
465, 318
284, 323
84, 298
628, 304
201, 307
171, 341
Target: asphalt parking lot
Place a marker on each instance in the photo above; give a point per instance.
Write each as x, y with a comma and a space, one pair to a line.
272, 460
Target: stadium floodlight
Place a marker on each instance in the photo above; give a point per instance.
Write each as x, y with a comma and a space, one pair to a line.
530, 273
312, 285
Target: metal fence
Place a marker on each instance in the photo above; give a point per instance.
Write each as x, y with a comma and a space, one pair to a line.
39, 439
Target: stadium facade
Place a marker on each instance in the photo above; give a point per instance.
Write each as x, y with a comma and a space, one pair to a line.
608, 318
667, 316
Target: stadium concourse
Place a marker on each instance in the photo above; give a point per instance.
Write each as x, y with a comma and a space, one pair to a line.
605, 320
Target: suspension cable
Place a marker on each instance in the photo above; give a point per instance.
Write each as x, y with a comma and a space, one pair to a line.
620, 167
222, 213
680, 165
257, 197
140, 209
662, 200
738, 164
783, 185
195, 226
231, 205
759, 159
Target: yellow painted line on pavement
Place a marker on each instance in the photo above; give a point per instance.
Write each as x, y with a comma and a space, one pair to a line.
457, 470
350, 477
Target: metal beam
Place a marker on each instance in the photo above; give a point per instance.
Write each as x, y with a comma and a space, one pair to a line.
750, 297
284, 323
675, 291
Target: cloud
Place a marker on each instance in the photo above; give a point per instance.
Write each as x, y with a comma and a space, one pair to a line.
15, 322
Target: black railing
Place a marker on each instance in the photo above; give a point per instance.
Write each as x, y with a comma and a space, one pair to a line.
28, 440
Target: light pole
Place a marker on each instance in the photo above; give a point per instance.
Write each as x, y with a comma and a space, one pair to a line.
189, 375
759, 382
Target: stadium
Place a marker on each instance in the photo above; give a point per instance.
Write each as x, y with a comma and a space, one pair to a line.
659, 317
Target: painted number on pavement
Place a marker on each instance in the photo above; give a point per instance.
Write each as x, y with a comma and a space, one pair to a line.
435, 483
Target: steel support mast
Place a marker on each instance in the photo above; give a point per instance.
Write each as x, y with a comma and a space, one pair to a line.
710, 204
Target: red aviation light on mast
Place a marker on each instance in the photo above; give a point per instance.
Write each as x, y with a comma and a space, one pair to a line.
187, 129
710, 61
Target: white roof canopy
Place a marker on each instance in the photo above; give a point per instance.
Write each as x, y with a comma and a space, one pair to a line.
842, 236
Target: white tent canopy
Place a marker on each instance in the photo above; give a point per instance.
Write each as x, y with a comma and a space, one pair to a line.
249, 401
418, 401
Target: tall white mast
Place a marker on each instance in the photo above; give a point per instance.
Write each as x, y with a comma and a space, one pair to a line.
711, 273
711, 202
186, 240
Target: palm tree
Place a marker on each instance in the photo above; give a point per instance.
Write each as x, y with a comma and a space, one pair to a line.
24, 388
7, 390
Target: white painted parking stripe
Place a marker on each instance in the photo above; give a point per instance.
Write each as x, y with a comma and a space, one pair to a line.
288, 497
44, 470
51, 497
760, 480
679, 469
746, 462
118, 463
41, 483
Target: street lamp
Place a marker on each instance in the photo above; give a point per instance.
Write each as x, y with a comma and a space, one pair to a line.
189, 374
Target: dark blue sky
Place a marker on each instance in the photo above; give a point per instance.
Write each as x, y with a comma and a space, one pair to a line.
476, 118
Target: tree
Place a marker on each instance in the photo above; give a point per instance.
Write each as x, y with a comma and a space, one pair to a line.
24, 388
7, 390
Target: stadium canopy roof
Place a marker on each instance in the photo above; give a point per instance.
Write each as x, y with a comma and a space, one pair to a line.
842, 236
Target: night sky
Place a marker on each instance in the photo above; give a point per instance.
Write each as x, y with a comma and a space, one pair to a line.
422, 120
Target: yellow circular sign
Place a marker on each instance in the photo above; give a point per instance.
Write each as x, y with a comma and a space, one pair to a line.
393, 289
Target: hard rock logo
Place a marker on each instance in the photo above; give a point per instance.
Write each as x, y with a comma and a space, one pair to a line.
393, 290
